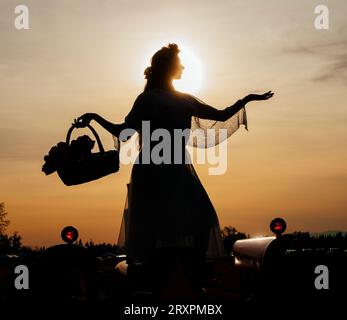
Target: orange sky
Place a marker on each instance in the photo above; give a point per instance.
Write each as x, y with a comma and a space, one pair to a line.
88, 56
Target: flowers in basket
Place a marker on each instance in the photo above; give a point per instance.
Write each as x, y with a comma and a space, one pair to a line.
62, 153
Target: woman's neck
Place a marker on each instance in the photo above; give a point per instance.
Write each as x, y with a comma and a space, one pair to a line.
167, 85
164, 85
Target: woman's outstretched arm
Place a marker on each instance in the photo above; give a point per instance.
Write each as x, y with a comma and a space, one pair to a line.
204, 111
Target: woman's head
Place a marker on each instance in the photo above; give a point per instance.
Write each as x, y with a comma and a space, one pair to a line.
165, 67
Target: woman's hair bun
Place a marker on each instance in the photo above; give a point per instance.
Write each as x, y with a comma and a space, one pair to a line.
148, 72
173, 47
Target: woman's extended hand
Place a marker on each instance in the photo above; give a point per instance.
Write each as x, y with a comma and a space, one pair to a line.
84, 120
264, 96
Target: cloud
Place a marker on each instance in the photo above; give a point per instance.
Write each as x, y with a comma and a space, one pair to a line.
337, 70
333, 54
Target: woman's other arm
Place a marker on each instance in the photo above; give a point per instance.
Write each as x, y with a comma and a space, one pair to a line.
132, 121
114, 128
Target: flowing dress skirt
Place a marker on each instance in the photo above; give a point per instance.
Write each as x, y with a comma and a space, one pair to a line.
167, 206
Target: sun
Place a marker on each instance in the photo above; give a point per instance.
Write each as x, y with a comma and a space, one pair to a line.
192, 74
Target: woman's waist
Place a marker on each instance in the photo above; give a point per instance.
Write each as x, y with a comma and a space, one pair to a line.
159, 155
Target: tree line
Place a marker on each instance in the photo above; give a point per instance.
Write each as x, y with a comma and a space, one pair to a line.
13, 243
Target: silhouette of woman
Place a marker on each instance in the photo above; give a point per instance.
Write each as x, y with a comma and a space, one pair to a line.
166, 204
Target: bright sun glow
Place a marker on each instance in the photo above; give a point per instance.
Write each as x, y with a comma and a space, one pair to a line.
192, 74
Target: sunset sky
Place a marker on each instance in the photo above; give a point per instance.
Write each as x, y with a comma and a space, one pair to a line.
89, 55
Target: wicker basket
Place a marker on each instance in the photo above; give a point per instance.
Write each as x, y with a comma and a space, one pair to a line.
91, 167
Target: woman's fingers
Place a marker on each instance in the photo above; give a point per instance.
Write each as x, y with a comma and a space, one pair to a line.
268, 95
79, 124
264, 96
87, 117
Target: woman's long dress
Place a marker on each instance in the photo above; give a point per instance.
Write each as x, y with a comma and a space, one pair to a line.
166, 204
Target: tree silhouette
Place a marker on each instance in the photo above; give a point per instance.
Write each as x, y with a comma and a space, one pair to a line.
15, 241
230, 235
8, 243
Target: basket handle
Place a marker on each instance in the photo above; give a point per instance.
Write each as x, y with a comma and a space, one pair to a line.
101, 148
